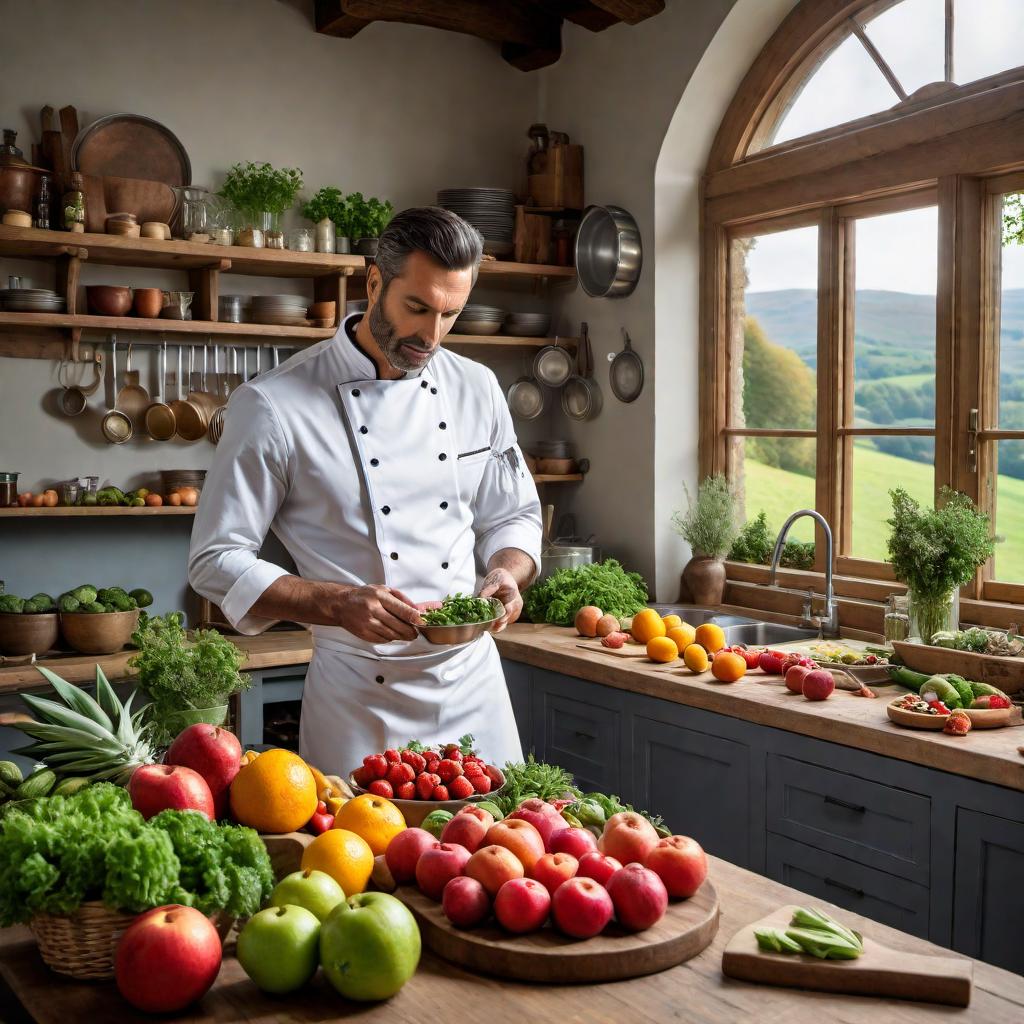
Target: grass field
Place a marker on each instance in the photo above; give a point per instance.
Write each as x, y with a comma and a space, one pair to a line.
779, 493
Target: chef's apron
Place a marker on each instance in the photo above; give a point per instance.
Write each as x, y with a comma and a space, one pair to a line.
358, 701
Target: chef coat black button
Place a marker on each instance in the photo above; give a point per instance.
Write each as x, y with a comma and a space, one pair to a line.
374, 462
423, 384
442, 456
444, 504
386, 510
380, 679
355, 392
394, 556
443, 425
444, 565
433, 391
363, 430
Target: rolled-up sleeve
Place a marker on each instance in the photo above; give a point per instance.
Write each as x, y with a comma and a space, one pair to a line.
245, 486
506, 511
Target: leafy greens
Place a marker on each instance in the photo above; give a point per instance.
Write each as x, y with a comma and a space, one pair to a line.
605, 584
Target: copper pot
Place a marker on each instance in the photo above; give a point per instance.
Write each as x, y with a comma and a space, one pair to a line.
19, 186
108, 300
148, 302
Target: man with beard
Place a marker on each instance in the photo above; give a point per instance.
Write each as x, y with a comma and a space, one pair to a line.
388, 467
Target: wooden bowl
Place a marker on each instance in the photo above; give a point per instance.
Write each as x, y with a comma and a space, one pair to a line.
414, 811
148, 302
98, 632
981, 718
18, 219
556, 467
125, 228
322, 311
154, 229
108, 300
28, 634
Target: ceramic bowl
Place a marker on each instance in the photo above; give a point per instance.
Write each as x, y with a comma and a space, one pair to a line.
148, 302
108, 300
322, 311
27, 634
98, 632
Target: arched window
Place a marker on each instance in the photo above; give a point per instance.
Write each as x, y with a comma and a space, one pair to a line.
863, 283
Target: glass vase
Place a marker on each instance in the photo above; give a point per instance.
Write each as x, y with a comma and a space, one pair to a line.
930, 615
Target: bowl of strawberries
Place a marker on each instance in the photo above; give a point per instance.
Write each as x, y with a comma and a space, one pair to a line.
420, 778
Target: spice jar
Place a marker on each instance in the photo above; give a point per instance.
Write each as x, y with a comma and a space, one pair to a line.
325, 235
8, 489
300, 240
73, 205
896, 624
43, 204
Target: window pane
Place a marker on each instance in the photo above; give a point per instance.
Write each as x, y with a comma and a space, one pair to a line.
1011, 317
846, 85
986, 38
774, 323
774, 475
1009, 566
879, 465
911, 37
894, 319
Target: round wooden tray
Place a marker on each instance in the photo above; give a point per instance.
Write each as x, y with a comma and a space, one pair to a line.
546, 955
981, 718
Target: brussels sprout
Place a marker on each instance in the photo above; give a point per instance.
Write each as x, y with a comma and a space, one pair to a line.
31, 607
11, 605
44, 602
68, 603
85, 594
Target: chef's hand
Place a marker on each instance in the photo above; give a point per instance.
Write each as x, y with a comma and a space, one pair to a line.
377, 614
500, 583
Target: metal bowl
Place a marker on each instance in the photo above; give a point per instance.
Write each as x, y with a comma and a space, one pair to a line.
609, 253
464, 633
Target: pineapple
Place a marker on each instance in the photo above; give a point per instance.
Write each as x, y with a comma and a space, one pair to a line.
85, 736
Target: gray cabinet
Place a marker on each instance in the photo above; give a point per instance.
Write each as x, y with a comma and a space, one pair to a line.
520, 690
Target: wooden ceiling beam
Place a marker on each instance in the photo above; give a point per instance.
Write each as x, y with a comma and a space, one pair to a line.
585, 14
632, 12
331, 20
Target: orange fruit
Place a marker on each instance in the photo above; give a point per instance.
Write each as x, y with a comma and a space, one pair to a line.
276, 792
728, 666
695, 658
249, 756
671, 621
647, 625
710, 637
682, 634
344, 856
660, 648
373, 818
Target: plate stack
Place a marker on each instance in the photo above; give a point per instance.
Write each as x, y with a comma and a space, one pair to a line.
283, 310
31, 300
492, 211
527, 325
479, 319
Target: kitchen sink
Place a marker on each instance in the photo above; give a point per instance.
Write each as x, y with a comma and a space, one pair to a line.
765, 634
695, 615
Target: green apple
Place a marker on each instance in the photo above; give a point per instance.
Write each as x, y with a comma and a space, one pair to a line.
314, 890
369, 946
279, 948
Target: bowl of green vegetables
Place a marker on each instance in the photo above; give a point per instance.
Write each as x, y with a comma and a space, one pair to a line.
460, 619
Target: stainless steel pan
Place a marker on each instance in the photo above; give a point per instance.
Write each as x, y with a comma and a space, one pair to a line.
626, 374
609, 253
581, 397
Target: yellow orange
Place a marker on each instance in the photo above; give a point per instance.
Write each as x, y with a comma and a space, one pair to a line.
728, 666
344, 856
660, 648
682, 634
671, 621
710, 637
276, 792
373, 818
647, 625
695, 658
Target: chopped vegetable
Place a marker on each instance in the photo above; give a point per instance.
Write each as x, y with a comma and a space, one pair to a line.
775, 940
461, 610
813, 932
605, 584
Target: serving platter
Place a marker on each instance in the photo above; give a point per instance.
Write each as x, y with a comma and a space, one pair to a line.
981, 718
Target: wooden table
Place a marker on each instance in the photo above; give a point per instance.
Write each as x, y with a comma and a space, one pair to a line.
693, 992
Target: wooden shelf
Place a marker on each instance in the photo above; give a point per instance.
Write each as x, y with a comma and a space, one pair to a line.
551, 478
64, 512
507, 341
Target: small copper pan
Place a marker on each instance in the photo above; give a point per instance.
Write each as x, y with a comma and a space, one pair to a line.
190, 423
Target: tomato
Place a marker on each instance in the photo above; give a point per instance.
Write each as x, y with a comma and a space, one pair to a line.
749, 656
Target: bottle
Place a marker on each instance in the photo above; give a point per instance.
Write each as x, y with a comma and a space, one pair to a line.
43, 204
73, 205
896, 624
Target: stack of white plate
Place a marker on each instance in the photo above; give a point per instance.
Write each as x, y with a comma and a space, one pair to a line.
476, 318
492, 211
31, 300
527, 325
284, 310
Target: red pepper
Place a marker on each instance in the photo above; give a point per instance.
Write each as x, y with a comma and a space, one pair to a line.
937, 705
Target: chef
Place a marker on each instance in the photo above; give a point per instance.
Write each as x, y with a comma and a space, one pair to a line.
388, 467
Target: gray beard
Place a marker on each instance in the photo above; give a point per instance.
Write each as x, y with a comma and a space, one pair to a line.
387, 341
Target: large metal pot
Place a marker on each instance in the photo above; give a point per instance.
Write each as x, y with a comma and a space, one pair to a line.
609, 253
564, 556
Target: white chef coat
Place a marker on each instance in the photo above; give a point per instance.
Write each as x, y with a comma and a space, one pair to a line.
413, 484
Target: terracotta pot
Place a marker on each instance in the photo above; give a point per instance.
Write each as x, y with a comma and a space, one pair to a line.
704, 578
27, 634
98, 632
108, 300
148, 302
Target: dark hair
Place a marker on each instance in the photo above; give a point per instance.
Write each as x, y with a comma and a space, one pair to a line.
441, 234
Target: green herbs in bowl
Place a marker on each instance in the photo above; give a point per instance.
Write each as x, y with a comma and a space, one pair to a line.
460, 619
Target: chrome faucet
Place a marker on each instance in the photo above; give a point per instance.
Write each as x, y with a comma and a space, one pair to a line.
828, 622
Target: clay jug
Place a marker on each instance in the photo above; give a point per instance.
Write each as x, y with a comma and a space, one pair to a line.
704, 578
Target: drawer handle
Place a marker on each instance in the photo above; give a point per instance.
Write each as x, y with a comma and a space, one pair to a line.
856, 808
859, 893
585, 735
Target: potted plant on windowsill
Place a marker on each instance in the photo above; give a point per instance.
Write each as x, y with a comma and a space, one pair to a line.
936, 551
261, 193
709, 526
328, 209
367, 218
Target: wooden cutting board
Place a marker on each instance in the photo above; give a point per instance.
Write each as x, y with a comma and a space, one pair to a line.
879, 971
546, 955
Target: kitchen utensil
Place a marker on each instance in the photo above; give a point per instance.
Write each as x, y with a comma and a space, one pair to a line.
200, 396
8, 489
609, 253
159, 419
188, 418
131, 146
626, 373
231, 309
133, 399
552, 365
581, 397
108, 300
30, 300
19, 180
526, 399
148, 302
116, 426
216, 428
981, 718
527, 325
124, 224
149, 201
564, 556
878, 971
75, 398
462, 634
322, 311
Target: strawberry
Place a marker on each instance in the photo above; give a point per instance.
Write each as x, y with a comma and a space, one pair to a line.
418, 761
493, 774
361, 777
381, 787
449, 769
472, 768
481, 783
376, 766
440, 793
432, 763
425, 784
406, 791
460, 787
392, 756
452, 752
399, 773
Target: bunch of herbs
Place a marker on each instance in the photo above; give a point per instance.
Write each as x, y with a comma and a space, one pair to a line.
257, 187
605, 584
709, 524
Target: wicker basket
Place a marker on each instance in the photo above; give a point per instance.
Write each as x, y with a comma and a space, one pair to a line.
82, 944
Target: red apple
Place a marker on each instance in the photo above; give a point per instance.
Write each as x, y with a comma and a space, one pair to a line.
628, 837
542, 816
639, 897
475, 811
818, 685
522, 905
520, 837
467, 830
404, 852
581, 907
680, 863
158, 787
597, 866
438, 866
493, 866
576, 841
553, 869
465, 902
795, 676
213, 752
167, 958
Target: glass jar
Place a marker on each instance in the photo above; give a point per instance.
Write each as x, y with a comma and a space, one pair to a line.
273, 236
73, 205
69, 492
8, 489
300, 240
43, 204
195, 219
930, 615
896, 624
326, 235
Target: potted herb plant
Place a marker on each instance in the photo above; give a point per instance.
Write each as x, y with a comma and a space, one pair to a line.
709, 526
367, 218
936, 551
328, 209
261, 193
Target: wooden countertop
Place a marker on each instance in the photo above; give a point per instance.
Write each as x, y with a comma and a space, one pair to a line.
988, 755
695, 991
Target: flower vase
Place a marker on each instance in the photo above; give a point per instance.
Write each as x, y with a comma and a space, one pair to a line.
704, 578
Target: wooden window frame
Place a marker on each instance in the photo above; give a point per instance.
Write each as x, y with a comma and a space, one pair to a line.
959, 148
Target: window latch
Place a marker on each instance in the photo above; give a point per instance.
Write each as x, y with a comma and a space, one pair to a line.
972, 441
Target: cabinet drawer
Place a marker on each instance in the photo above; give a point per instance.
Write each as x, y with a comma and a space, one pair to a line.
879, 826
584, 739
863, 890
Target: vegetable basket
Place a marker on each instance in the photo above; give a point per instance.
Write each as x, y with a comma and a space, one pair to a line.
82, 944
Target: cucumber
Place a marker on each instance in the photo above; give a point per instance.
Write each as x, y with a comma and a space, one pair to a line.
10, 773
39, 783
70, 786
911, 680
943, 689
986, 690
